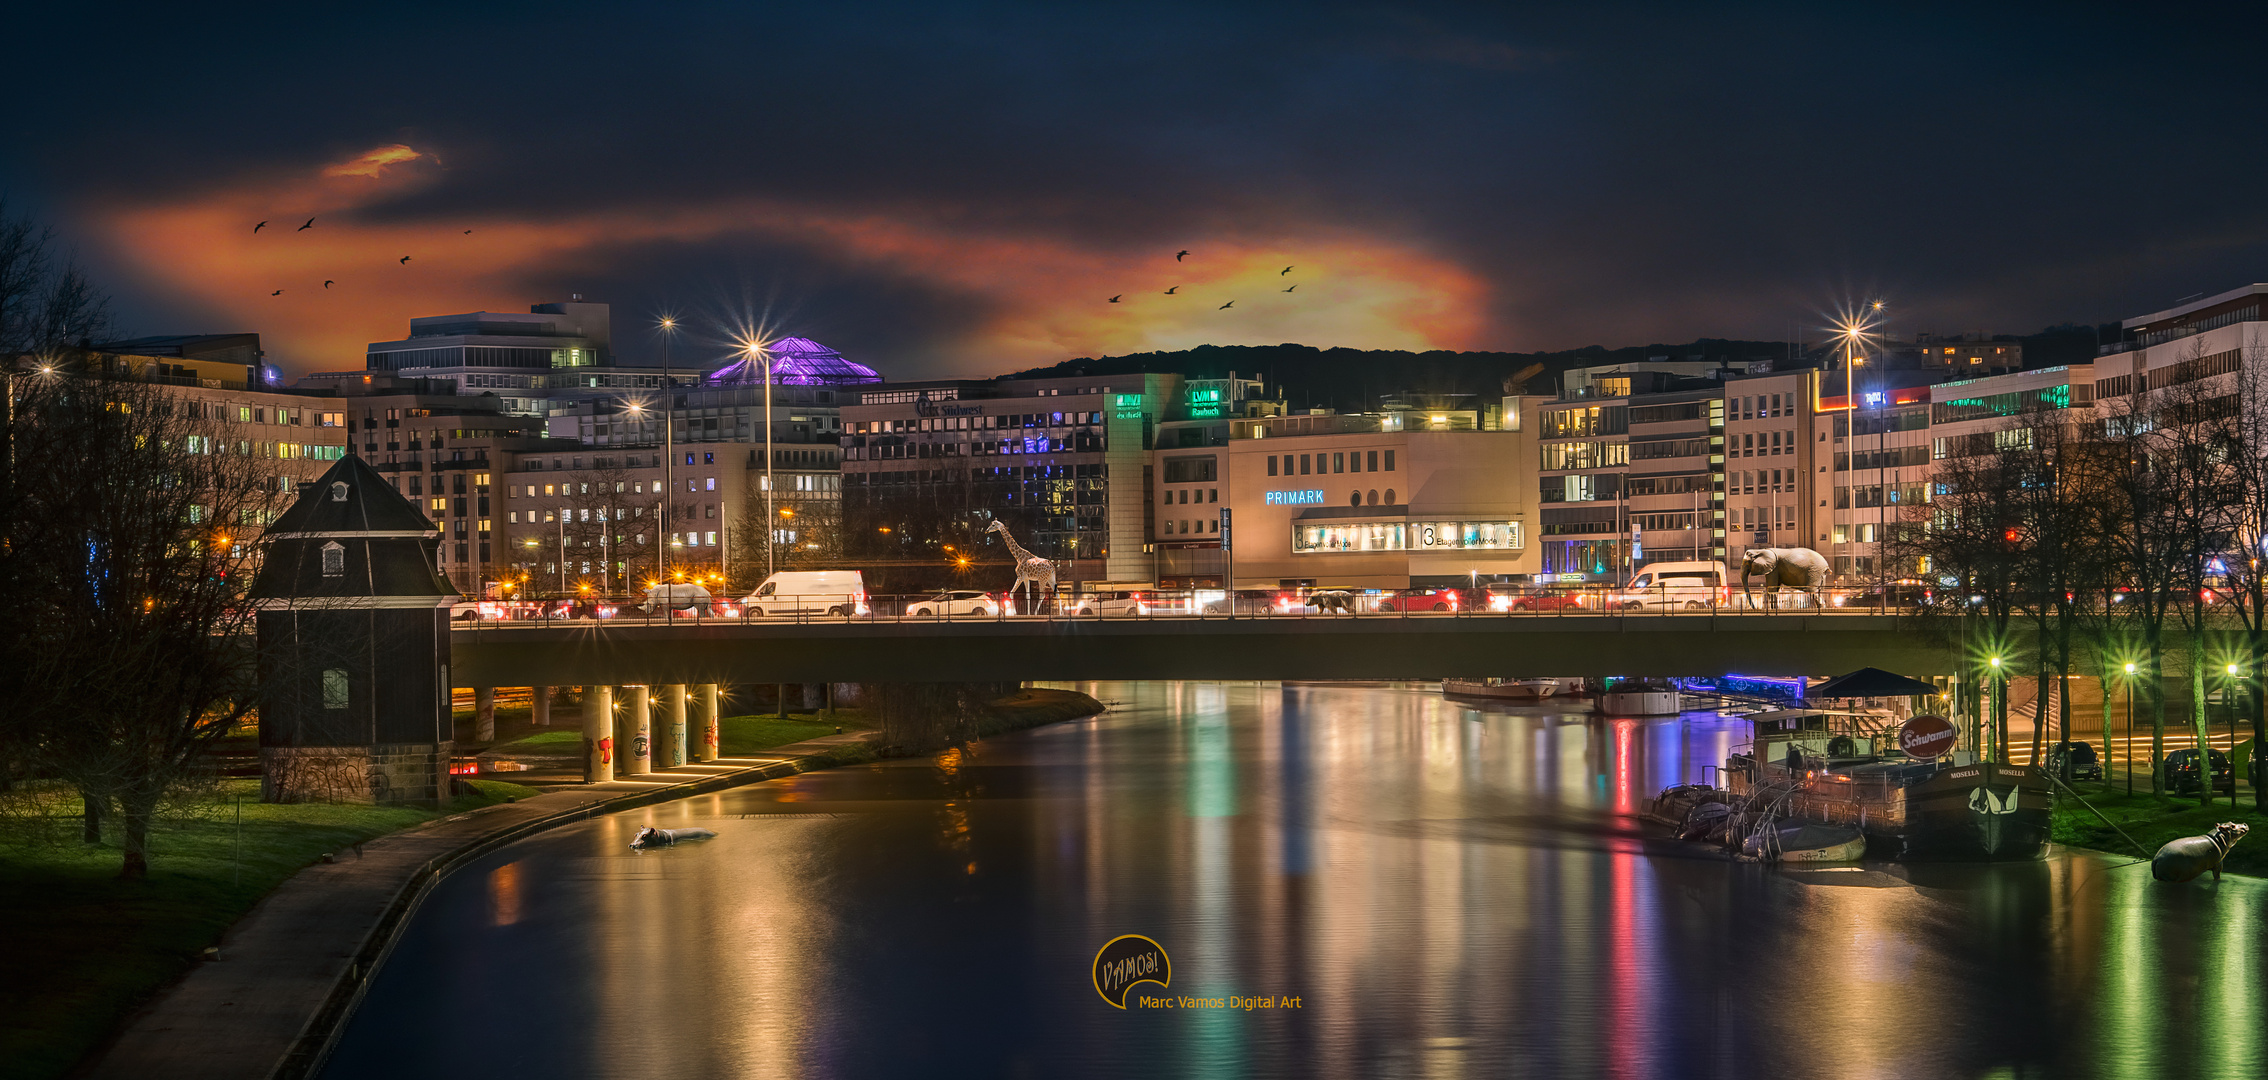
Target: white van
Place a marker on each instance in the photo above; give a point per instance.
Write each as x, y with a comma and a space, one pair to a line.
1675, 586
808, 592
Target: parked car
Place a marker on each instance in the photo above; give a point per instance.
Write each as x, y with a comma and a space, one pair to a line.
1501, 598
1895, 594
1244, 602
1423, 600
1118, 602
1671, 586
2181, 772
2075, 761
961, 602
808, 592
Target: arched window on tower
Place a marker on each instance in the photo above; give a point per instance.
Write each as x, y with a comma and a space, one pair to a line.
334, 559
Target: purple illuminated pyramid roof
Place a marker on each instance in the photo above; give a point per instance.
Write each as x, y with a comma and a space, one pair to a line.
796, 362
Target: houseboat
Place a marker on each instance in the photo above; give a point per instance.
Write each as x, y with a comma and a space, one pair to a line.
1844, 769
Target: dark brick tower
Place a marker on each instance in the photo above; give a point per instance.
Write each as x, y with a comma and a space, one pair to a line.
354, 647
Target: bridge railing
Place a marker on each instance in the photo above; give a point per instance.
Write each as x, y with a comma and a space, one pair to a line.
1202, 605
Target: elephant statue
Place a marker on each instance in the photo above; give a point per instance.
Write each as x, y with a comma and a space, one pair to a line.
1791, 568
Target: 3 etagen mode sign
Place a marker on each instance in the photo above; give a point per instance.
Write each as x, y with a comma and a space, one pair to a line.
1295, 498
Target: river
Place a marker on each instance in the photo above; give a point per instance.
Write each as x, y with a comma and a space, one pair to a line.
1445, 891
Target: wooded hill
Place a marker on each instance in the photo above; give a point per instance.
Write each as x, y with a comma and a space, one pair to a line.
1352, 380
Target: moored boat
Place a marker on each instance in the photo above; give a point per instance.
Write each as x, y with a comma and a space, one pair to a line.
1512, 689
1843, 768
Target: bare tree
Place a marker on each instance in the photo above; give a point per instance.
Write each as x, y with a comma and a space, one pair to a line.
49, 310
2244, 582
1968, 533
805, 533
607, 524
2054, 469
126, 535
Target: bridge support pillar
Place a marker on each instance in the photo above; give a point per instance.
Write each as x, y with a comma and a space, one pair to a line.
672, 752
539, 706
484, 714
635, 735
705, 740
598, 734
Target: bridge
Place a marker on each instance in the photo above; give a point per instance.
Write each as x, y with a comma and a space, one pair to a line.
1415, 646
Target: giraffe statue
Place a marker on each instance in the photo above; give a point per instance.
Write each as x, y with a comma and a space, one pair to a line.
1030, 568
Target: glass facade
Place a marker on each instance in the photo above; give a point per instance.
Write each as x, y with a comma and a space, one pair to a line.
1359, 536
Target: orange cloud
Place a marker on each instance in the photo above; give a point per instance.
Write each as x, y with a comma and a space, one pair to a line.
1049, 296
373, 164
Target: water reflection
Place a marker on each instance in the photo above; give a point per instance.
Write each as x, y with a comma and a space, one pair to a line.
1449, 891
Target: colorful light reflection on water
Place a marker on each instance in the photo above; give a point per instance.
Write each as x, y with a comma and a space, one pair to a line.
1448, 891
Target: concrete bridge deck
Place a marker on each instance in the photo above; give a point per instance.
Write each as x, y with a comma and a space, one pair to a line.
1188, 647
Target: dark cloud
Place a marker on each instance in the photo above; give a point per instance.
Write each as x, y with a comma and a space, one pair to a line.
1595, 174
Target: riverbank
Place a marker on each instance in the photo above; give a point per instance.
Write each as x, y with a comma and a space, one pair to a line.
1034, 706
90, 946
2154, 819
755, 748
291, 969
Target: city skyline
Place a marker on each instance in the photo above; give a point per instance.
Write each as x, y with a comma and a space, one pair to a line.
933, 195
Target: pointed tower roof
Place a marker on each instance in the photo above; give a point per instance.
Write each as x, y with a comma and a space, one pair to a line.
380, 544
368, 506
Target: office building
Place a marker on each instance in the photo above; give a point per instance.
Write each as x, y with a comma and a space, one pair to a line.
1063, 461
1342, 501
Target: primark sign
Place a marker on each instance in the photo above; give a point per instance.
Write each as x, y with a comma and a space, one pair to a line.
1310, 497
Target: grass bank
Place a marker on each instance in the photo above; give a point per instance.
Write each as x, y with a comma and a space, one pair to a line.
2154, 819
88, 947
1033, 706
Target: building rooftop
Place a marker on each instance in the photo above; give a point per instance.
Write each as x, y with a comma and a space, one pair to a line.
796, 361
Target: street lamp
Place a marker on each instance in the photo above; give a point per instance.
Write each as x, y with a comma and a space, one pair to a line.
753, 347
668, 326
2130, 729
1999, 736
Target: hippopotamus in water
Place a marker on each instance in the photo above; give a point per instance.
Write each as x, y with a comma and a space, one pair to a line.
651, 837
2184, 859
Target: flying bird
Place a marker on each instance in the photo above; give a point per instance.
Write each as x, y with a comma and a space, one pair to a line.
1226, 306
1283, 271
405, 260
278, 292
1294, 286
1178, 254
310, 224
260, 226
1114, 299
1170, 292
326, 284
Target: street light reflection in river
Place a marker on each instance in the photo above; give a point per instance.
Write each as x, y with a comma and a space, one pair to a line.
1451, 890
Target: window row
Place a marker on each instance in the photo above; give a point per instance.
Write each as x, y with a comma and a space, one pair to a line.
1336, 462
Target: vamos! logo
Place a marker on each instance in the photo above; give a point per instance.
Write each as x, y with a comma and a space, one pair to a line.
1126, 960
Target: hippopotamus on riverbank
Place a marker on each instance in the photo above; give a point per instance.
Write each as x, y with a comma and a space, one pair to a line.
650, 837
2184, 859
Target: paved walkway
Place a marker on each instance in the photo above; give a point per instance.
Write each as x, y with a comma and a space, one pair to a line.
290, 971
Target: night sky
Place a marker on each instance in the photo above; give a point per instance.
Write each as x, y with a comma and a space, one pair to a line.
959, 189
